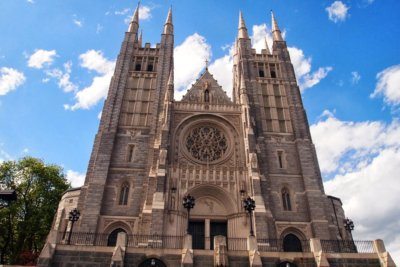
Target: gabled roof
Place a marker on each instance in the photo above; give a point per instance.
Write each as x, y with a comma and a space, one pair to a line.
206, 90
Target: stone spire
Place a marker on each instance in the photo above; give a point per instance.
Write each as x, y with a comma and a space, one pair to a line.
168, 26
267, 47
134, 25
242, 27
276, 32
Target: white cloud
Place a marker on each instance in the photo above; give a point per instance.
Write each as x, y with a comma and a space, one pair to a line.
41, 58
95, 60
10, 79
355, 77
302, 68
337, 141
122, 12
189, 60
338, 11
30, 1
221, 68
63, 77
78, 22
260, 33
75, 178
144, 12
388, 85
364, 158
89, 96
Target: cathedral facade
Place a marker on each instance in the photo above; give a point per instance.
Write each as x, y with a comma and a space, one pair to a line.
151, 152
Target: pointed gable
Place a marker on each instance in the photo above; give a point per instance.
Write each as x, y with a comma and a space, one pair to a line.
206, 90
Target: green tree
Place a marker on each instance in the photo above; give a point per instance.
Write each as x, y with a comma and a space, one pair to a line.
25, 223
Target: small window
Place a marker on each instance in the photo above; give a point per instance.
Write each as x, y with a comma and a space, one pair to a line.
124, 194
138, 67
149, 67
273, 74
280, 159
261, 73
131, 153
286, 199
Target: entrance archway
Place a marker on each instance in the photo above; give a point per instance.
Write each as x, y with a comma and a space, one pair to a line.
291, 243
152, 262
112, 237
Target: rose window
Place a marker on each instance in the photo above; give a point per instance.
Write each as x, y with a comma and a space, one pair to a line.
206, 143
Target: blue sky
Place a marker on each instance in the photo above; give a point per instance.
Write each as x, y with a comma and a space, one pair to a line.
56, 58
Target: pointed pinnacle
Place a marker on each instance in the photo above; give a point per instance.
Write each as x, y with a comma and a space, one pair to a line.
242, 27
168, 26
134, 25
266, 46
171, 77
141, 37
276, 32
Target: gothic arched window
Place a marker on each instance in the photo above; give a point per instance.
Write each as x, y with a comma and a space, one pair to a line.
206, 96
286, 199
124, 194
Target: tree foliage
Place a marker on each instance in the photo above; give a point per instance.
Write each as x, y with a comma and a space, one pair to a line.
25, 223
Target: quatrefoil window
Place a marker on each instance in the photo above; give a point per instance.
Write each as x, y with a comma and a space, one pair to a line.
206, 143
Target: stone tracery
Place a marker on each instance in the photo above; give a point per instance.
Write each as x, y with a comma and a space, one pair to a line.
206, 143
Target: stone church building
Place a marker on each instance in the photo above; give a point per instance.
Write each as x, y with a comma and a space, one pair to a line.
151, 152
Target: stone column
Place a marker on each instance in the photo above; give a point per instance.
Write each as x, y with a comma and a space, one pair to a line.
117, 259
187, 252
254, 254
207, 234
319, 255
220, 251
384, 256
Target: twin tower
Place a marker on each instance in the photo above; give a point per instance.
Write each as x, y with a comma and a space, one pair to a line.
151, 151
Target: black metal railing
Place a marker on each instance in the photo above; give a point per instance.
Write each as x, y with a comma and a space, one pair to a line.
276, 245
80, 238
347, 246
233, 244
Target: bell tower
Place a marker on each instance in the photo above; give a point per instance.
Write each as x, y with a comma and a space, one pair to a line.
126, 172
291, 184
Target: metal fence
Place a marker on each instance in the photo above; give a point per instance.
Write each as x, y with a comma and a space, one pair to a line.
233, 244
80, 238
347, 246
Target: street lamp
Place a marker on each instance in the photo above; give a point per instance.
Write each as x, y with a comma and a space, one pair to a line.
188, 203
249, 205
348, 225
73, 217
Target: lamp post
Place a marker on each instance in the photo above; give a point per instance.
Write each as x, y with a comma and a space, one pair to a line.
348, 225
188, 203
73, 217
249, 205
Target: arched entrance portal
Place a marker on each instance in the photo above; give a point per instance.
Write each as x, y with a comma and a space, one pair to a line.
152, 262
209, 217
292, 243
